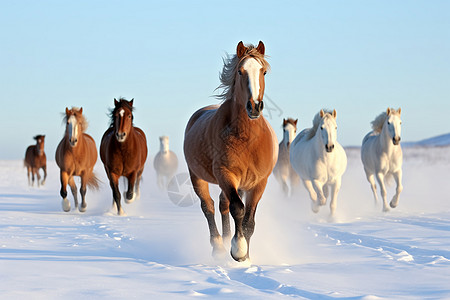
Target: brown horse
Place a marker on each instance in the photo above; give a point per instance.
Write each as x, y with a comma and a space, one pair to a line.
35, 159
123, 151
76, 156
233, 145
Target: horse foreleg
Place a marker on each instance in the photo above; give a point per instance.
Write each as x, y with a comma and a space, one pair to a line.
64, 178
207, 204
130, 195
250, 209
73, 188
32, 176
380, 179
114, 183
224, 207
38, 177
398, 180
335, 187
44, 168
319, 187
82, 207
28, 175
312, 194
137, 186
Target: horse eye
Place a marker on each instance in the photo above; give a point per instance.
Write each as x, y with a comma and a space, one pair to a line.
129, 116
321, 128
389, 123
239, 72
265, 72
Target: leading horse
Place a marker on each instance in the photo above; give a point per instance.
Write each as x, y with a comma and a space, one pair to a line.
76, 155
123, 151
234, 146
35, 159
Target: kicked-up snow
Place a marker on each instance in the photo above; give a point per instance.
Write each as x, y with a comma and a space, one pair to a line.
160, 250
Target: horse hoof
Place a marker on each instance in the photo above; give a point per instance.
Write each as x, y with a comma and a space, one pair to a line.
315, 207
66, 205
386, 209
393, 205
127, 199
239, 249
82, 208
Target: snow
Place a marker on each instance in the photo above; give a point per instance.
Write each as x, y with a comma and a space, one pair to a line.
161, 250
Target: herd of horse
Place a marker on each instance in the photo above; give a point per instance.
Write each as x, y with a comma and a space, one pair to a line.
231, 145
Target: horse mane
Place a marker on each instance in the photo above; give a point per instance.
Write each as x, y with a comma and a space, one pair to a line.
377, 124
230, 65
316, 122
123, 103
80, 118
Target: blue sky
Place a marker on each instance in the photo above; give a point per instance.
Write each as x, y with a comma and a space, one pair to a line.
358, 57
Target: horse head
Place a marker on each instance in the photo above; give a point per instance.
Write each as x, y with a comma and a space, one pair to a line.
289, 129
73, 124
40, 140
164, 144
328, 129
250, 77
122, 118
394, 122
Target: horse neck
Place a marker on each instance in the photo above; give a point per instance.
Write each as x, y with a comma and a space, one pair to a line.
239, 117
317, 141
164, 148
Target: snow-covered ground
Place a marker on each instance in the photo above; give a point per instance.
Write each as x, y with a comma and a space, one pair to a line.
161, 250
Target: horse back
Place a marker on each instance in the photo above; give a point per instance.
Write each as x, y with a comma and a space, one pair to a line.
91, 150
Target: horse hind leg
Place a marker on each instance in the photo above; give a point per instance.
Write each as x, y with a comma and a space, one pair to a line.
73, 188
28, 175
224, 207
38, 177
83, 206
44, 168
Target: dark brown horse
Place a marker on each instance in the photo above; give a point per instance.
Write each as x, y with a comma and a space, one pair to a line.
76, 156
35, 159
123, 151
233, 145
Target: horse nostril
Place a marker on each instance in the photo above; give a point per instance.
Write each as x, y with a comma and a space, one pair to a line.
249, 106
259, 106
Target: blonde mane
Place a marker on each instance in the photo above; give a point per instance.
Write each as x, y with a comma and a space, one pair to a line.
377, 124
316, 122
230, 65
80, 118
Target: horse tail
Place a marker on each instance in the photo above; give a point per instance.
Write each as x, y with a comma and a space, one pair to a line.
93, 182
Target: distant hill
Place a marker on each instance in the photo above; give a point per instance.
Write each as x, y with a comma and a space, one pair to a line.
440, 140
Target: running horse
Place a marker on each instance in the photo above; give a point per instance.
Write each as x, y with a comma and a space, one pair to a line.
234, 146
123, 151
76, 155
35, 159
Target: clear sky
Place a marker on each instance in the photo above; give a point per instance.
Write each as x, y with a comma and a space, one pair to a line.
358, 57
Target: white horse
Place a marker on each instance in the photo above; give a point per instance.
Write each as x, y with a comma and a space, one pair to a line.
165, 163
320, 160
283, 171
382, 155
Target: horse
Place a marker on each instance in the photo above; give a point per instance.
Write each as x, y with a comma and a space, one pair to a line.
123, 151
165, 163
283, 171
76, 155
320, 160
35, 159
382, 155
234, 146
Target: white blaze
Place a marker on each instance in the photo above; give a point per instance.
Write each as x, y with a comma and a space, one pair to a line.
72, 127
253, 69
121, 112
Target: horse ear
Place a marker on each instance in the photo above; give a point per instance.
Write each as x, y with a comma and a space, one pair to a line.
295, 122
240, 50
116, 102
261, 48
388, 111
399, 111
322, 113
334, 113
81, 111
284, 122
131, 102
67, 111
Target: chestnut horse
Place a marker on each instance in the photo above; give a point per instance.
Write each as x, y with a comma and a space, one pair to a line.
123, 151
76, 155
233, 145
35, 159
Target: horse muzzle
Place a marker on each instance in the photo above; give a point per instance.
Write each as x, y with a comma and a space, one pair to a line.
396, 140
329, 148
73, 142
254, 111
121, 136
